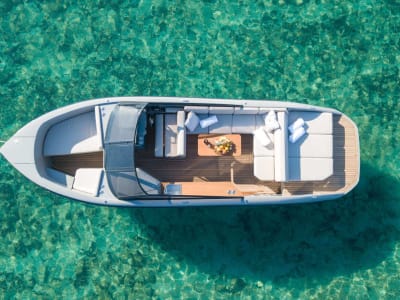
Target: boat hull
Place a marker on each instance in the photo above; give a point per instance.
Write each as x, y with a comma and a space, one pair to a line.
25, 151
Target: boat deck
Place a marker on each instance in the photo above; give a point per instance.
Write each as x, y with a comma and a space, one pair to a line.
197, 171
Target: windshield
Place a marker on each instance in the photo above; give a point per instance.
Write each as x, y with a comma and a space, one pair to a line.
119, 151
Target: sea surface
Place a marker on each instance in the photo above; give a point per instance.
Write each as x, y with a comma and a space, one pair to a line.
340, 54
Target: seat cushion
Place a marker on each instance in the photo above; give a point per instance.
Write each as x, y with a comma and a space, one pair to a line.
199, 129
262, 137
260, 150
170, 133
224, 125
315, 122
312, 145
175, 135
192, 121
310, 169
245, 123
264, 168
88, 180
207, 122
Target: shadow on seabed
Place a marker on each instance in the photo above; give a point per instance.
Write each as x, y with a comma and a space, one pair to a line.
279, 243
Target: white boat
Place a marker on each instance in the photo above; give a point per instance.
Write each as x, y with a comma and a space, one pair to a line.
168, 152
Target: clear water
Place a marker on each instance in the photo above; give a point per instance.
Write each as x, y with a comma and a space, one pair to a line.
341, 54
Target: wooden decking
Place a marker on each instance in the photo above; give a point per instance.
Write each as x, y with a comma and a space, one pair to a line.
236, 169
206, 169
70, 163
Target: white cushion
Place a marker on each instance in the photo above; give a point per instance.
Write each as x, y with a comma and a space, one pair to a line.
297, 134
264, 168
192, 121
271, 122
260, 150
313, 145
261, 136
271, 126
208, 121
87, 180
199, 129
175, 135
315, 122
224, 125
170, 135
310, 169
296, 124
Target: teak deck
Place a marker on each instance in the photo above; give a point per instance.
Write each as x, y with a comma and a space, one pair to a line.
215, 175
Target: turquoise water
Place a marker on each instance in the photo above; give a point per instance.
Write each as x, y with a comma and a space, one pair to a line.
341, 54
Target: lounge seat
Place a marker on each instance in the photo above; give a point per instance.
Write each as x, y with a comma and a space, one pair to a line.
80, 134
312, 145
310, 169
311, 157
264, 167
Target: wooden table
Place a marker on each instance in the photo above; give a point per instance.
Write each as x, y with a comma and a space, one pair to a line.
204, 150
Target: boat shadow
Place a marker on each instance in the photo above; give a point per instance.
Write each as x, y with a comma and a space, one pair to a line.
280, 243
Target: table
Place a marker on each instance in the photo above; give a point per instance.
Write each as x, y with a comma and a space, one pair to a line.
204, 150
